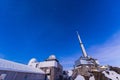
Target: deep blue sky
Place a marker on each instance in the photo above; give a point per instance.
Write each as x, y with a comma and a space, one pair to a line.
38, 28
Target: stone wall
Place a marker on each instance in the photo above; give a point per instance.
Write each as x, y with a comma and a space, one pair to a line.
99, 76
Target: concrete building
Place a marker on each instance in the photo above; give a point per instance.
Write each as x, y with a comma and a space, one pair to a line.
50, 69
51, 66
15, 71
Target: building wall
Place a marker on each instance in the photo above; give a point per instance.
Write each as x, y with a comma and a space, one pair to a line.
12, 75
53, 73
56, 72
52, 69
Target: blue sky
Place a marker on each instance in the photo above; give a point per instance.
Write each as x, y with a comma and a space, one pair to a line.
39, 28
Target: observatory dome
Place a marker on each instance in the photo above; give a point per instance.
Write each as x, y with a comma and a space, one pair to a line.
33, 60
51, 57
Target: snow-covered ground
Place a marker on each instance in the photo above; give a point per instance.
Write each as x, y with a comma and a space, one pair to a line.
92, 78
112, 75
79, 77
109, 74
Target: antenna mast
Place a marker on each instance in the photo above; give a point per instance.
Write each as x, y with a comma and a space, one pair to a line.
82, 46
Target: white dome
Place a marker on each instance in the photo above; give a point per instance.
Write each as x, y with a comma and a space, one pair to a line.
33, 60
52, 57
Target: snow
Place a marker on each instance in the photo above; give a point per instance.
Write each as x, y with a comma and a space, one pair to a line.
79, 77
112, 75
13, 66
92, 78
70, 72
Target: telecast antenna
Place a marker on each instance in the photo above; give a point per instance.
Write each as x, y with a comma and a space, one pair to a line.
82, 46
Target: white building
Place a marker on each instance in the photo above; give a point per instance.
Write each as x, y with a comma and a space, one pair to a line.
52, 68
15, 71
